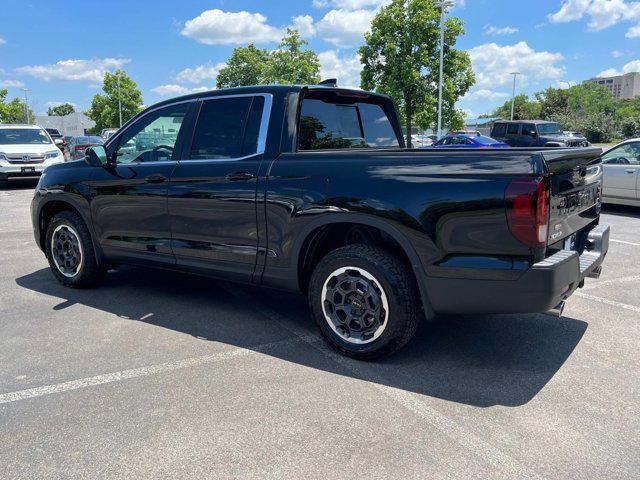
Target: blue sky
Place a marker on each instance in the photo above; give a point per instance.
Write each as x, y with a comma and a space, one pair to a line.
60, 49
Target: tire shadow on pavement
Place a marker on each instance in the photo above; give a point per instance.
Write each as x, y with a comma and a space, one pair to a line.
475, 360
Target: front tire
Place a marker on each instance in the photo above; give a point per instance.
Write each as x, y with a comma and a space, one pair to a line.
365, 301
70, 251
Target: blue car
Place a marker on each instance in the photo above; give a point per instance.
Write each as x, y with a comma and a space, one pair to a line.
465, 140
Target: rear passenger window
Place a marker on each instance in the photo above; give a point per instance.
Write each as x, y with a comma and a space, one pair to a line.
512, 129
329, 124
227, 128
499, 129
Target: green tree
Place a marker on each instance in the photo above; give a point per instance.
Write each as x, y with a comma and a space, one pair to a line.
553, 102
104, 107
61, 110
401, 58
523, 109
13, 111
245, 67
290, 63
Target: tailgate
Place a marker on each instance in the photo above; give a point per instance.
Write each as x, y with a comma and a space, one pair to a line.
575, 179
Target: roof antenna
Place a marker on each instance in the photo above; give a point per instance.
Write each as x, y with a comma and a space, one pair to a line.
329, 82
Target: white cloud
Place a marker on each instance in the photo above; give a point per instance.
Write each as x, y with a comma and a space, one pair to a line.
2, 41
11, 84
199, 74
493, 63
74, 70
620, 53
304, 25
569, 11
173, 89
632, 66
350, 4
345, 69
484, 94
345, 28
633, 32
602, 14
217, 27
492, 30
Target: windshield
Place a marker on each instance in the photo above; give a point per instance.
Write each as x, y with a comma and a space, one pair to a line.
21, 136
549, 128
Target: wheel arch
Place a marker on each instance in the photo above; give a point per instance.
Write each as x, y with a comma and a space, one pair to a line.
312, 233
51, 207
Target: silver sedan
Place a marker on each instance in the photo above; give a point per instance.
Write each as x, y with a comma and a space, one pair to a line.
621, 166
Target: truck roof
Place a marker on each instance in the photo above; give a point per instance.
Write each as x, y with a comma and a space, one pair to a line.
272, 89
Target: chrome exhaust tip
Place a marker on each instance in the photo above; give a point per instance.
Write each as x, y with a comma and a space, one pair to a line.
595, 273
557, 310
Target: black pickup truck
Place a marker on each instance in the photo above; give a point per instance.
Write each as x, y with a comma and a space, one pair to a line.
310, 188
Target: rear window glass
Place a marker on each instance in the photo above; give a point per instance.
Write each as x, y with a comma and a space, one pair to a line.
499, 129
327, 125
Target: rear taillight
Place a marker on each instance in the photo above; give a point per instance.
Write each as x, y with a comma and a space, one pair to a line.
528, 211
81, 148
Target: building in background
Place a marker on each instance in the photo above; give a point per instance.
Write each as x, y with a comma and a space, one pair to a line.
623, 87
74, 124
482, 125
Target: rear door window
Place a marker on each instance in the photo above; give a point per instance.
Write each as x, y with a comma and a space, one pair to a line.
499, 129
528, 129
512, 129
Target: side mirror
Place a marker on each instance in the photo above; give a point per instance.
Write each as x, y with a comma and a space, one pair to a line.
96, 156
58, 141
534, 134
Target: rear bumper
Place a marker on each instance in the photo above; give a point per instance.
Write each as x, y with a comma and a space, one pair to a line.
540, 288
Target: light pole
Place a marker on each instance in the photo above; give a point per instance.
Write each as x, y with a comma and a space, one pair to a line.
444, 4
26, 105
119, 100
513, 94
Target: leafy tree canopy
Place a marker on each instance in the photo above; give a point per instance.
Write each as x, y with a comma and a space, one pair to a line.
104, 106
401, 58
13, 111
289, 63
61, 110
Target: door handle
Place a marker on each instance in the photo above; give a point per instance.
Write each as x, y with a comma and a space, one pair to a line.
630, 170
155, 178
234, 177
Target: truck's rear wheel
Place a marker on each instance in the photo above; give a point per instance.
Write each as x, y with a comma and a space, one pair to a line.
70, 251
365, 301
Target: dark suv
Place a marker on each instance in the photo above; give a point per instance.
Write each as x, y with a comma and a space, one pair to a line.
535, 133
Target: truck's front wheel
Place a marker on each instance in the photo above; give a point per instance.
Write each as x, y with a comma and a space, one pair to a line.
365, 301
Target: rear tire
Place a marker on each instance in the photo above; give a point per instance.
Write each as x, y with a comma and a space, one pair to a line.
70, 251
365, 301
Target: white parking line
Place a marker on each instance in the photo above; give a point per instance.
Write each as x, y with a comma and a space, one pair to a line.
612, 281
624, 242
510, 466
606, 301
147, 371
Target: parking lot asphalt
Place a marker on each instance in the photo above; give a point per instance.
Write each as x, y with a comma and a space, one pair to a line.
161, 375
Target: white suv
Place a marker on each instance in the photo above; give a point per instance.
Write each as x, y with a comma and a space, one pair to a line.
25, 151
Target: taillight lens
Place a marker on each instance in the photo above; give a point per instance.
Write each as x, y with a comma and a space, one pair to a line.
528, 211
80, 148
